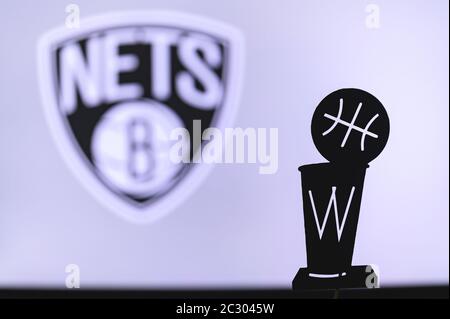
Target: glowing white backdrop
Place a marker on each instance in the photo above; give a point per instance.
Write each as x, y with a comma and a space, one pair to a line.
240, 228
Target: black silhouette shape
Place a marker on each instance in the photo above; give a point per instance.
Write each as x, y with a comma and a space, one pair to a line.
350, 127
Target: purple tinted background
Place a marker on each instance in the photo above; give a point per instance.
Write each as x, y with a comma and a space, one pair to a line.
241, 228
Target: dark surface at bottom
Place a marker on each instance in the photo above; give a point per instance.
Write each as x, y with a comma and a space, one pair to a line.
355, 277
422, 292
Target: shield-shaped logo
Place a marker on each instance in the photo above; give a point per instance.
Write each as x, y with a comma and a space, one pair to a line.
116, 88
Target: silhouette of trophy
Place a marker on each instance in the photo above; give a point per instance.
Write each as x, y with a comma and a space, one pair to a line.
350, 127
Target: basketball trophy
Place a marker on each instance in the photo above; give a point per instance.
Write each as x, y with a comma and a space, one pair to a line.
350, 127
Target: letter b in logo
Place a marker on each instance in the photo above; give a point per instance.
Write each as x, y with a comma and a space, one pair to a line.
130, 148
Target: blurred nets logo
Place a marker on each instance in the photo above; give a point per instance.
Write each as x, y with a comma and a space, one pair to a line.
113, 90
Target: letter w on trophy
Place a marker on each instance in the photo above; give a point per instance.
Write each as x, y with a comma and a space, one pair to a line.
331, 204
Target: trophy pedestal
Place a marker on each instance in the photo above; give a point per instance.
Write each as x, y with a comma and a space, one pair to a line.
355, 277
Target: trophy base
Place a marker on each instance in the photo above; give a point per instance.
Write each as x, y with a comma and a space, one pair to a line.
355, 277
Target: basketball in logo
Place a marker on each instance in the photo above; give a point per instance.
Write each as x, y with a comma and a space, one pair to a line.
115, 90
131, 148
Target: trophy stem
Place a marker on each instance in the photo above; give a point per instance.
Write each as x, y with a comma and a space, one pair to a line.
331, 204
